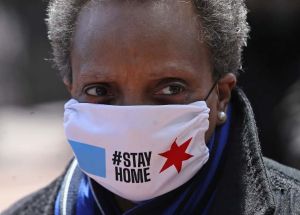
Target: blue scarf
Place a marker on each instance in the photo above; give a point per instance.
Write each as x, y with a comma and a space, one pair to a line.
194, 197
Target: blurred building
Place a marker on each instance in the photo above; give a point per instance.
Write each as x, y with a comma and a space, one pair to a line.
288, 118
271, 63
26, 77
13, 52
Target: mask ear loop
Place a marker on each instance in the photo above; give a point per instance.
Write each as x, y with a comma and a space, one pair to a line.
213, 87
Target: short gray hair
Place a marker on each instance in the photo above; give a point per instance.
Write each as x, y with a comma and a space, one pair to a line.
225, 31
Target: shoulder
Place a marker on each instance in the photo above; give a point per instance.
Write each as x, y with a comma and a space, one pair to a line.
285, 184
282, 176
40, 202
282, 170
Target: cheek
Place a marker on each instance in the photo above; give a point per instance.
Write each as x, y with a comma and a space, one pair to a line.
212, 104
75, 92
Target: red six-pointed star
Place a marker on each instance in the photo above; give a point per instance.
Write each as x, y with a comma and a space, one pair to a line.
176, 155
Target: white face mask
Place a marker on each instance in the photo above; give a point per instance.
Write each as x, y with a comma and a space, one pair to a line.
138, 152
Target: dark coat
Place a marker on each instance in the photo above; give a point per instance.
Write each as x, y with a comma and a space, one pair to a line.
249, 184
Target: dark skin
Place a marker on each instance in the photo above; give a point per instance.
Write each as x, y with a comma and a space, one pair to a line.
148, 53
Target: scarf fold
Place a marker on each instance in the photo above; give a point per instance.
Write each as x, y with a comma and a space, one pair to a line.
194, 197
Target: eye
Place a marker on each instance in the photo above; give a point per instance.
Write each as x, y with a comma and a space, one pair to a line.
172, 89
98, 90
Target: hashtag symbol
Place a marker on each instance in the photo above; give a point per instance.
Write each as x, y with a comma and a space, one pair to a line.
117, 158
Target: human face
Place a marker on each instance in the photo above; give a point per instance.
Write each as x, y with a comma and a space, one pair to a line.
141, 53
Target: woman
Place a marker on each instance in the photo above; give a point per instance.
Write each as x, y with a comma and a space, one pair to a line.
155, 121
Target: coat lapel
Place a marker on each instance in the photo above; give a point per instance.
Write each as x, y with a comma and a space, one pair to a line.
244, 187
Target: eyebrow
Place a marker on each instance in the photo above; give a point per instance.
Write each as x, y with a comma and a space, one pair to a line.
99, 72
173, 69
167, 70
96, 75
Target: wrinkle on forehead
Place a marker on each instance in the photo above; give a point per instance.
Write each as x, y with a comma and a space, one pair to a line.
155, 10
120, 17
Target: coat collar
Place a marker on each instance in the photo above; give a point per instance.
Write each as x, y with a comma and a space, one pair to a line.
244, 187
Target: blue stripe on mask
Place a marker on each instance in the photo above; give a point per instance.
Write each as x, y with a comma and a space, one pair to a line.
90, 158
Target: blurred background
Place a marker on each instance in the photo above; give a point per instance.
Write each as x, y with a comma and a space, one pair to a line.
32, 145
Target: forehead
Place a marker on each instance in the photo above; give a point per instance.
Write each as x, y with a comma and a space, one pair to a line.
126, 31
141, 13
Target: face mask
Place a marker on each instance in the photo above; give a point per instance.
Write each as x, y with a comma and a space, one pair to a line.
138, 152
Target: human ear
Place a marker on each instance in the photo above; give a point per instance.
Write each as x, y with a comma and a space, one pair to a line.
224, 87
